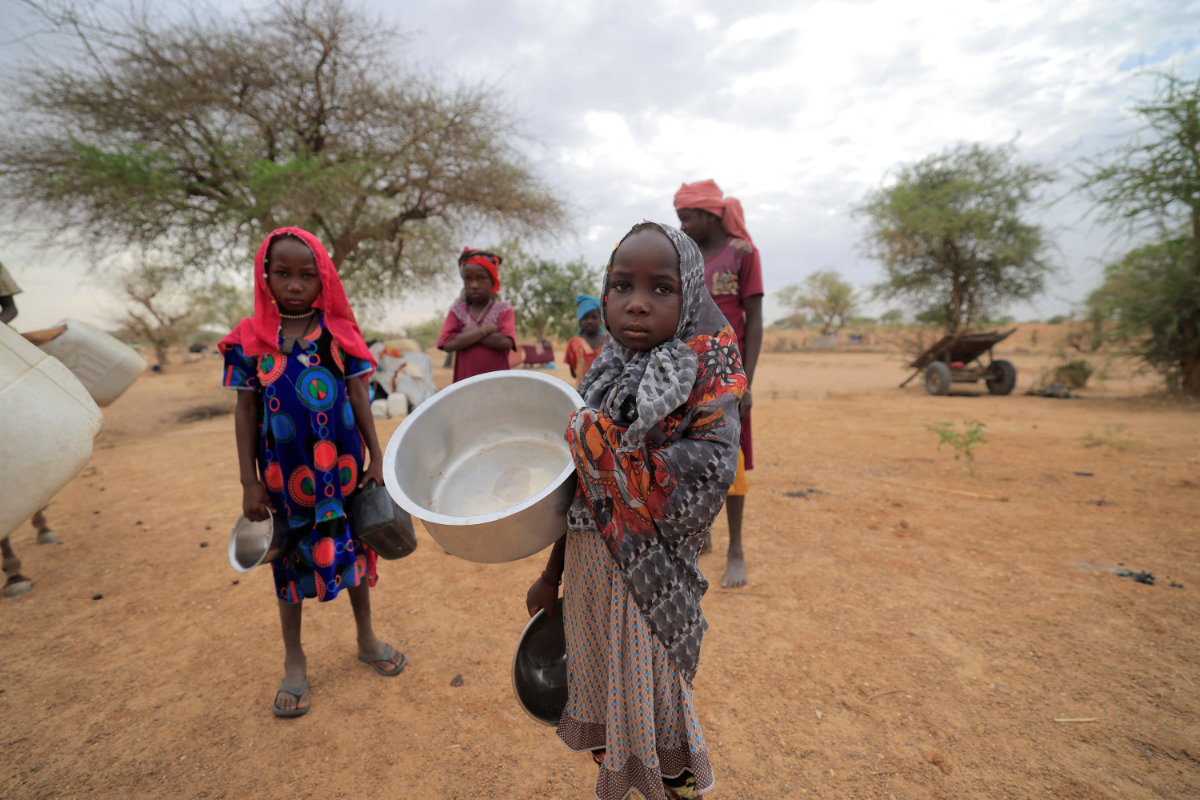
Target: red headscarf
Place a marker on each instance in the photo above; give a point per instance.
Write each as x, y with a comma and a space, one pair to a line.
707, 196
483, 259
259, 334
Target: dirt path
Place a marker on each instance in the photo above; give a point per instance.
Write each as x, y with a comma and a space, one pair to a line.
911, 630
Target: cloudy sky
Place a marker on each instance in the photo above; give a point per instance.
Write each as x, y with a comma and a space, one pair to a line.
799, 109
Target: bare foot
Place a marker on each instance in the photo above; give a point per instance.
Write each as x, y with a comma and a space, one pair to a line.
46, 536
735, 573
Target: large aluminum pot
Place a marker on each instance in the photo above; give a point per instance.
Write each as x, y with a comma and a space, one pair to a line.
483, 463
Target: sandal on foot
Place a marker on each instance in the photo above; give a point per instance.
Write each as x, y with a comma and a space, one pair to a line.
17, 585
386, 656
297, 692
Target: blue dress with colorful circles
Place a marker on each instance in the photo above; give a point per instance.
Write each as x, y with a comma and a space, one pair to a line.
310, 455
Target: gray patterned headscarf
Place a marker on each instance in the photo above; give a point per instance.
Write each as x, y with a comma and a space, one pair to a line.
654, 382
686, 388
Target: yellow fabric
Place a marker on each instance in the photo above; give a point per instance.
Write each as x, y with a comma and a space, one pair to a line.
741, 483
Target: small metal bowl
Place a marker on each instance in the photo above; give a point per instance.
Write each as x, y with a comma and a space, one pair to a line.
485, 466
539, 669
253, 543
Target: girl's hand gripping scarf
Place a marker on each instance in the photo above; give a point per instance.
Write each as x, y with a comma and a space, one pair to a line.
656, 451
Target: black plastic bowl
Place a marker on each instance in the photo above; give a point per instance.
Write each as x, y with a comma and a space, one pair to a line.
539, 670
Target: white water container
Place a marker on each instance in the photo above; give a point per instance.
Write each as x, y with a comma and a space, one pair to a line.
47, 424
105, 365
397, 406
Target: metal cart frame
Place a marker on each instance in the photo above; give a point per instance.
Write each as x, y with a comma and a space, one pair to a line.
957, 359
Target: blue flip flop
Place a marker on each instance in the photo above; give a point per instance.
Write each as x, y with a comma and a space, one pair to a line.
386, 656
298, 692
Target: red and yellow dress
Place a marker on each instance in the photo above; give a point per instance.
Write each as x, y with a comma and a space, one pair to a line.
580, 355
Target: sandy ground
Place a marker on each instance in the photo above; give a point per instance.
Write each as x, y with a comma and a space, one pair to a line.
911, 629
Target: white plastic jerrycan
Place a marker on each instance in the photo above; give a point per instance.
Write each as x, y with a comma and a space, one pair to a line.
105, 365
48, 420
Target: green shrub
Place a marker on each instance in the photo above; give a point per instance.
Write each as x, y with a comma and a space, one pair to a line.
964, 442
1113, 436
1074, 373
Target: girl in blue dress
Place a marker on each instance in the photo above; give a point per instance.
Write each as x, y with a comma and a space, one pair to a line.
303, 424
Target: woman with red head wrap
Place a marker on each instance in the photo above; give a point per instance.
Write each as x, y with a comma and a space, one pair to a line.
733, 273
480, 328
306, 442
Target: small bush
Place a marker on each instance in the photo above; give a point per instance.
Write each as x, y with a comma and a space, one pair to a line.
1113, 436
1074, 373
964, 442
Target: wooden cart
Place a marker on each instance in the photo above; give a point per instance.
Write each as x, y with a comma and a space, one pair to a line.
956, 359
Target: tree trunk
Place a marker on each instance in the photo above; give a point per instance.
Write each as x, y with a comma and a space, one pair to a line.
1189, 367
161, 354
955, 321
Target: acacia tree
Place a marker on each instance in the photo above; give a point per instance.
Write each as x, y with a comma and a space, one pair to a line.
825, 294
157, 312
1151, 298
543, 291
952, 235
222, 305
198, 136
1152, 187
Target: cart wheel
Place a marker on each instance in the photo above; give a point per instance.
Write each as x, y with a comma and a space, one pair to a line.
937, 378
1003, 377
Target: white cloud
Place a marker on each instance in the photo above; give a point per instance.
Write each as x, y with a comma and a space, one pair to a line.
801, 108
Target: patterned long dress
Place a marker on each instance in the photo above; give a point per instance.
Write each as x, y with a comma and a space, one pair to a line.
310, 455
734, 275
625, 693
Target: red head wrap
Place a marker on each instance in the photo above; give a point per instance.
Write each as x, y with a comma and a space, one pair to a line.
488, 261
707, 196
259, 334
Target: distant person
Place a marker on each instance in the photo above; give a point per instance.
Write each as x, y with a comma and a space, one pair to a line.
733, 273
306, 442
583, 348
480, 329
655, 449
